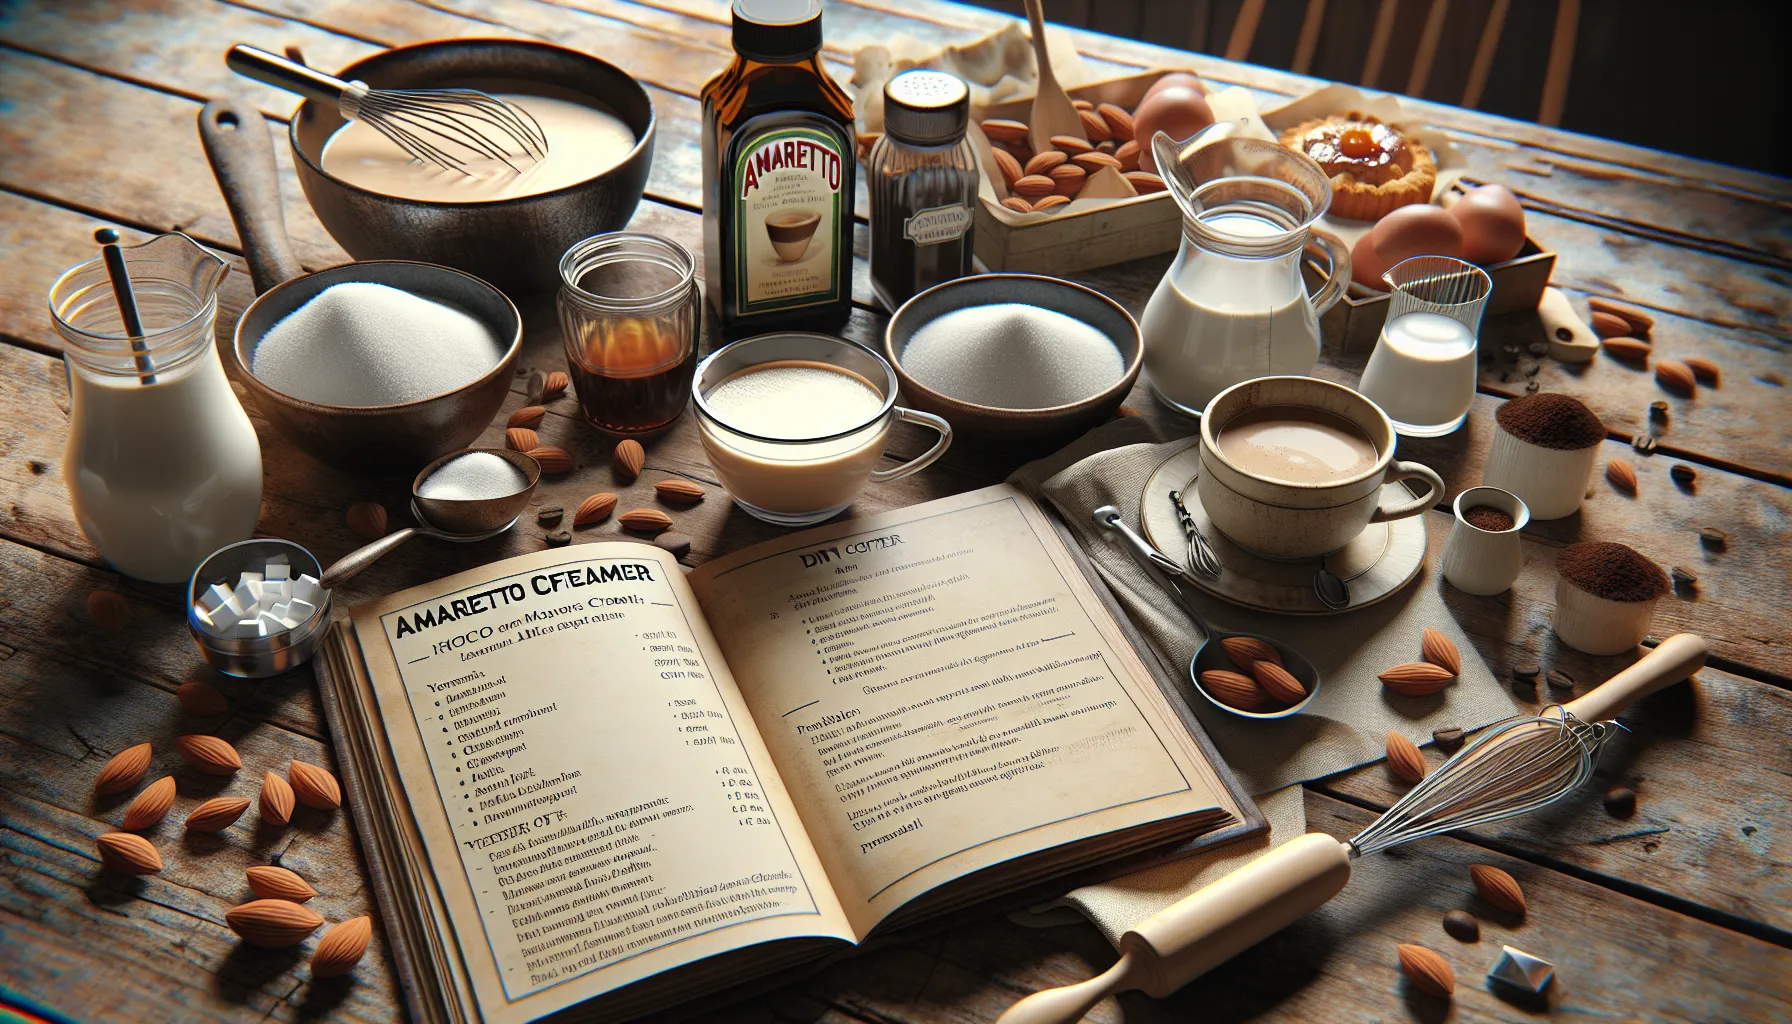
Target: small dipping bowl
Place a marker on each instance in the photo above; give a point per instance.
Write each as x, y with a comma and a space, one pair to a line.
1026, 428
256, 657
475, 516
1210, 655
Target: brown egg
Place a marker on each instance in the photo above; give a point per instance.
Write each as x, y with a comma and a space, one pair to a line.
1178, 111
1366, 268
1165, 81
1417, 230
1492, 224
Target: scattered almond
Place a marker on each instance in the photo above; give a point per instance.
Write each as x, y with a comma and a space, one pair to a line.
313, 786
679, 491
527, 416
554, 385
1675, 376
1278, 682
1440, 650
552, 460
1640, 323
1082, 104
341, 948
1094, 162
1095, 126
645, 520
209, 754
1033, 186
123, 771
594, 509
1070, 144
1405, 759
1120, 123
150, 805
1243, 650
1002, 130
1017, 204
521, 439
1233, 689
1704, 370
272, 923
1042, 163
108, 610
1497, 887
1426, 969
276, 799
129, 854
1145, 182
1417, 678
1008, 166
1621, 474
201, 699
1050, 202
629, 457
277, 883
367, 518
1609, 325
217, 814
1128, 155
1631, 350
1068, 179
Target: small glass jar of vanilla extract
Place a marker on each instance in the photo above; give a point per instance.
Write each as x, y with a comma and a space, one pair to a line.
922, 176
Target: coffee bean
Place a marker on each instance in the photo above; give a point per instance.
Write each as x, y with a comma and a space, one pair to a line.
1505, 376
1684, 475
522, 371
1541, 348
536, 388
1658, 411
1684, 578
1620, 801
1643, 443
548, 515
1509, 351
1526, 670
559, 538
677, 543
1559, 680
1531, 370
1712, 537
1447, 739
1462, 926
1532, 387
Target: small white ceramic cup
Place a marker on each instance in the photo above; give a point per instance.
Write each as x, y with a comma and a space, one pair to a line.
1485, 562
1550, 481
1599, 625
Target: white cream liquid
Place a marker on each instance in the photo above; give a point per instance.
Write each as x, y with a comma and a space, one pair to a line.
1422, 372
794, 400
161, 475
583, 141
1251, 319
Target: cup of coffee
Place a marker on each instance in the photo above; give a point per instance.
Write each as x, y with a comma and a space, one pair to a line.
1292, 467
795, 423
790, 231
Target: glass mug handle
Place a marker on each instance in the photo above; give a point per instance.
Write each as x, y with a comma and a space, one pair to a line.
1337, 278
1434, 490
926, 458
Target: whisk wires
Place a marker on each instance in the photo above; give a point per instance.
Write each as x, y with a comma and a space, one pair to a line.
1514, 767
448, 127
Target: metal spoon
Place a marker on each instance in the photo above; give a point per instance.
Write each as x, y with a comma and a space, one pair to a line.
458, 520
1211, 654
1330, 588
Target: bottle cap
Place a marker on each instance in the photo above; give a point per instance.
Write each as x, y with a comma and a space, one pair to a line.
926, 108
777, 31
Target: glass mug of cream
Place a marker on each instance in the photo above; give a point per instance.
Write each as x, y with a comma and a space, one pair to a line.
1292, 467
794, 423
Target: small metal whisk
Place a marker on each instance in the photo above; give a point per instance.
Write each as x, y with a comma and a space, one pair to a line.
444, 127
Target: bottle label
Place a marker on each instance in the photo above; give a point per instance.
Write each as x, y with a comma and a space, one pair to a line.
940, 224
787, 209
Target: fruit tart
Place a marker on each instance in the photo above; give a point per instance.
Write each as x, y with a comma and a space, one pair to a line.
1374, 168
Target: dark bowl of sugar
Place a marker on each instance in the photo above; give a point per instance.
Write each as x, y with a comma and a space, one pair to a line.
1019, 359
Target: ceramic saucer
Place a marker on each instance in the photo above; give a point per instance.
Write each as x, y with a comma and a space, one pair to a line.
1381, 560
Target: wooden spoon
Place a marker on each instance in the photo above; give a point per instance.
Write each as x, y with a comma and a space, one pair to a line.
1053, 113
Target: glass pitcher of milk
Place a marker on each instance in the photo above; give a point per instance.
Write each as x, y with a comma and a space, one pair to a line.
162, 465
1234, 304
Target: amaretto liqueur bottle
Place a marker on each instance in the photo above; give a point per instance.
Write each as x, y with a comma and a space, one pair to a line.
778, 168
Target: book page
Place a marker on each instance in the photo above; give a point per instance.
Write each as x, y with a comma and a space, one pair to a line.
942, 691
595, 801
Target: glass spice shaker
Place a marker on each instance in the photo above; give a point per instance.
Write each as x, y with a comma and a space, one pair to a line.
922, 175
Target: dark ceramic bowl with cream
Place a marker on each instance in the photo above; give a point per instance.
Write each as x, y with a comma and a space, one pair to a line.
513, 243
1034, 428
1273, 515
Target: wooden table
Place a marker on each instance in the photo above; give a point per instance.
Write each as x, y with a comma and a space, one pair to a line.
1681, 912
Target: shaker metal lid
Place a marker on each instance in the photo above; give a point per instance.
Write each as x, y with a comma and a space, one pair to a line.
928, 108
777, 31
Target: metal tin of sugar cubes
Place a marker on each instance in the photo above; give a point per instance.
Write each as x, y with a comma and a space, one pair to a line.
277, 579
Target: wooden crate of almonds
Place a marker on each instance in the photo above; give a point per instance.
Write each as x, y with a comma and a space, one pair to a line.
1083, 204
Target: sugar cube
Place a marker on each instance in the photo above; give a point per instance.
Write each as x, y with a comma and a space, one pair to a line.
278, 571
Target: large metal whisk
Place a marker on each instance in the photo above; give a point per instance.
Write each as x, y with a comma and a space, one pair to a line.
444, 127
1513, 767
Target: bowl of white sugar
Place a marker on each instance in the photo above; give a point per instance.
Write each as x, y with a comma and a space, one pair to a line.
379, 367
1018, 358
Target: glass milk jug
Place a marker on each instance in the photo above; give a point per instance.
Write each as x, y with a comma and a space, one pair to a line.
162, 465
1234, 305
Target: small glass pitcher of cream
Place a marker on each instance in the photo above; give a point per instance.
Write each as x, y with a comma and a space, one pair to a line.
1422, 372
162, 464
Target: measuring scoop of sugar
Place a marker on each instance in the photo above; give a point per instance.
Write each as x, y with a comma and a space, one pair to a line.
472, 477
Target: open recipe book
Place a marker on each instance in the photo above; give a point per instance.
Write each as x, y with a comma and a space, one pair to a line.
592, 786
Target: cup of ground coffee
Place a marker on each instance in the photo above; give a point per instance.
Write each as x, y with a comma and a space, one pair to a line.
1605, 596
1544, 449
1484, 554
1292, 467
